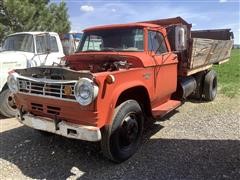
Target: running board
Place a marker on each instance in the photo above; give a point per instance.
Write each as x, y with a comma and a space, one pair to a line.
165, 108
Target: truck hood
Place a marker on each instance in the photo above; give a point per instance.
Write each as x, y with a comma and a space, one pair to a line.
15, 56
138, 59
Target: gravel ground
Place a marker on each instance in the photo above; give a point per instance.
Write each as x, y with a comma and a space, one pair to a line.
197, 141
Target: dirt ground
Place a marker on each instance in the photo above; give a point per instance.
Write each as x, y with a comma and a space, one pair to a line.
197, 141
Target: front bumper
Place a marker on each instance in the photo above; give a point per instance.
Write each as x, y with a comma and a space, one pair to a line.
69, 130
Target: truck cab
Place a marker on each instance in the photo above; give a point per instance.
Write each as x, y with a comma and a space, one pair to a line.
24, 50
121, 76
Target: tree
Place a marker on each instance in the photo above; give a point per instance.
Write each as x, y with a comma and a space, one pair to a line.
32, 15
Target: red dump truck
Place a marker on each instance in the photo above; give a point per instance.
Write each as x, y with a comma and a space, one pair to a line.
121, 76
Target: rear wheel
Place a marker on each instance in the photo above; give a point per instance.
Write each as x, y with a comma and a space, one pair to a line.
122, 139
8, 107
210, 86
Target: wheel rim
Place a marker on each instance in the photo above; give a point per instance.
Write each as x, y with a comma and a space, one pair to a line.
129, 131
11, 101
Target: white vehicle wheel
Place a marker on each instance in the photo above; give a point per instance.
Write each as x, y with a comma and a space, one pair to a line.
8, 107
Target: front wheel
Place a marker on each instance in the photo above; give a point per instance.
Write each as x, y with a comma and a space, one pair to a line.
8, 107
122, 139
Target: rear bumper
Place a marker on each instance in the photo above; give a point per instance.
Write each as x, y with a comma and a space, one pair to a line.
66, 129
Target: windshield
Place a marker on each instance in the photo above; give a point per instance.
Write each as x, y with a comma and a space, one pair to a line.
130, 39
19, 42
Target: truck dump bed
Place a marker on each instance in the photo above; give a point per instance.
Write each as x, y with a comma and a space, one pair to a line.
209, 47
204, 47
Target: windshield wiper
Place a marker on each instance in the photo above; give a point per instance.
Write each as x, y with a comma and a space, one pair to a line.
109, 49
90, 50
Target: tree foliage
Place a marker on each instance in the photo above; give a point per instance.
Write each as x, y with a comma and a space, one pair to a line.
32, 15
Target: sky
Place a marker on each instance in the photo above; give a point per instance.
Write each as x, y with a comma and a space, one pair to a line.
202, 14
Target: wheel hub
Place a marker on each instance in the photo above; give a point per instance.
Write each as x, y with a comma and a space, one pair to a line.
129, 130
11, 101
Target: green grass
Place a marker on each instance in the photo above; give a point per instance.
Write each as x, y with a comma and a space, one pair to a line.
229, 75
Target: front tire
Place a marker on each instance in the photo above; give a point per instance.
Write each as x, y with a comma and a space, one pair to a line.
122, 139
8, 107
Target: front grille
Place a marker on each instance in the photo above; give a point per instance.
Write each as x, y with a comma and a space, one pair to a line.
38, 107
60, 91
52, 110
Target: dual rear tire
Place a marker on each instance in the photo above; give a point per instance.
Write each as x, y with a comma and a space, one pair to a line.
206, 86
210, 86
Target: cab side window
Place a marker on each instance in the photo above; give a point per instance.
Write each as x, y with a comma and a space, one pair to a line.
156, 42
41, 44
53, 44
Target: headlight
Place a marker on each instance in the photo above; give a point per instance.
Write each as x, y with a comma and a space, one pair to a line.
85, 91
12, 83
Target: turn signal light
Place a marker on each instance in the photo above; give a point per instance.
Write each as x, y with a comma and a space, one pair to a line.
110, 79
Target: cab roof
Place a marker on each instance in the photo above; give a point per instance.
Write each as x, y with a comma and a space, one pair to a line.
33, 33
113, 26
151, 23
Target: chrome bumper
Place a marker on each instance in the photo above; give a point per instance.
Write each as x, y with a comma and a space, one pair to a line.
69, 130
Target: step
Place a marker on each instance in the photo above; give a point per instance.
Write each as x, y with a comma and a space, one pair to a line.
165, 108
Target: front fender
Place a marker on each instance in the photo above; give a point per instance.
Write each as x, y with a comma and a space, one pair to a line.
109, 93
115, 94
10, 61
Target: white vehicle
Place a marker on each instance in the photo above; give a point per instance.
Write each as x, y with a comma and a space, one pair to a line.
23, 50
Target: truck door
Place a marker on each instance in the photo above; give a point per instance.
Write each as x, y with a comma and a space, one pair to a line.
53, 54
165, 70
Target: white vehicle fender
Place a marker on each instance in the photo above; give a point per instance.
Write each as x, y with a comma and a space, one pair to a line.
10, 61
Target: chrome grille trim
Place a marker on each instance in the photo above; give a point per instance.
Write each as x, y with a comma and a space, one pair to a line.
45, 87
44, 80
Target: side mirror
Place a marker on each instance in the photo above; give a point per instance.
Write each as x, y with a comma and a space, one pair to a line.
180, 38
